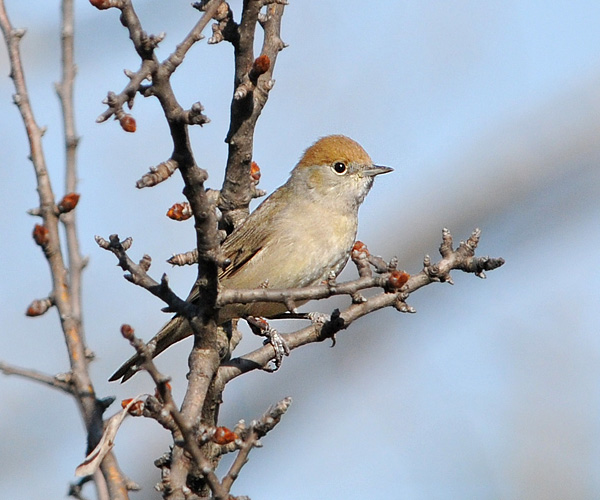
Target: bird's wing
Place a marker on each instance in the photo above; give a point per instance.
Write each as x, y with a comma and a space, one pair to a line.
240, 250
248, 239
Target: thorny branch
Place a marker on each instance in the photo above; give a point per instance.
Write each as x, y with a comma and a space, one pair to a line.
204, 359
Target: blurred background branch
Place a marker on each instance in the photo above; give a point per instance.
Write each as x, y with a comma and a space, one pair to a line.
66, 280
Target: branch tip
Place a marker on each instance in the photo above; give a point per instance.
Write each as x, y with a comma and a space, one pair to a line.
39, 307
158, 174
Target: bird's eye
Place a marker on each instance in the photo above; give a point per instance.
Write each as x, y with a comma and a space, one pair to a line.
339, 167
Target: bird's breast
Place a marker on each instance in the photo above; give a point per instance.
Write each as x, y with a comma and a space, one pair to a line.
301, 251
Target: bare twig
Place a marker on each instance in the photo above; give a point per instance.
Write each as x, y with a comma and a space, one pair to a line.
314, 292
137, 274
61, 382
116, 102
64, 90
251, 435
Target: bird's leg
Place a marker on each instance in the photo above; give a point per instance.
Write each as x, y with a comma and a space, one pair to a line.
260, 327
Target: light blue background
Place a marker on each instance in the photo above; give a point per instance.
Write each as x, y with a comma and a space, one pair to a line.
490, 114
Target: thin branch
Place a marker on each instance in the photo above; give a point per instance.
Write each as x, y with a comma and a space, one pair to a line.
117, 101
64, 90
137, 274
176, 58
287, 295
159, 73
250, 438
60, 382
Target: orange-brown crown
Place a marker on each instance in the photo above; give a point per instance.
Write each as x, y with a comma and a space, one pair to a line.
332, 148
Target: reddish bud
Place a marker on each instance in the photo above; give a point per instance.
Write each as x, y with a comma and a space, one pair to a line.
255, 171
398, 279
224, 436
359, 251
180, 211
359, 246
136, 409
68, 203
102, 4
260, 66
40, 235
127, 331
261, 322
34, 310
127, 123
38, 307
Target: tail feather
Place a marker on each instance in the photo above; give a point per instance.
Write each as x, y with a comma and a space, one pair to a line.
175, 330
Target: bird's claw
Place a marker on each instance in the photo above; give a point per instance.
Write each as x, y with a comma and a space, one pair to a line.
318, 317
260, 327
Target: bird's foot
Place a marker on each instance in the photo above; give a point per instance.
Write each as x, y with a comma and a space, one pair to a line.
260, 327
318, 317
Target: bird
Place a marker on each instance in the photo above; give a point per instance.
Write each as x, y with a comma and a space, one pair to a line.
297, 237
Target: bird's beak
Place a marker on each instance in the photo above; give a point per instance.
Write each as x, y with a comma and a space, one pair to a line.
374, 170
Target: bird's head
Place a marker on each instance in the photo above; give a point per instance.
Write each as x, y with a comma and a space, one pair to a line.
337, 170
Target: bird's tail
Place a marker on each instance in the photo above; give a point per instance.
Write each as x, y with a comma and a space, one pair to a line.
175, 330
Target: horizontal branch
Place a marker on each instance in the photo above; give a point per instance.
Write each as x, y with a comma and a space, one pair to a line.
463, 258
61, 382
300, 294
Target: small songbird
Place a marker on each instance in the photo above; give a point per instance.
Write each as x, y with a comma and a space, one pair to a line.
297, 237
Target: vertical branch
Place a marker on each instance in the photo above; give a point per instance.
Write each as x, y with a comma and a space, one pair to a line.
90, 407
64, 90
246, 107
